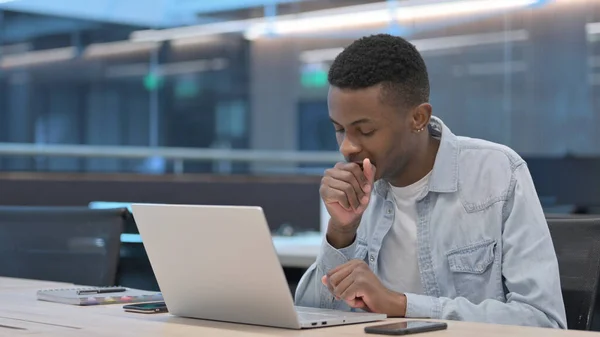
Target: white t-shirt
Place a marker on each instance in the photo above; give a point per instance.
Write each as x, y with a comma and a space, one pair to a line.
398, 256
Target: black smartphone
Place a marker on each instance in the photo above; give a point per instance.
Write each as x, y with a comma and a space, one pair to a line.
146, 308
405, 328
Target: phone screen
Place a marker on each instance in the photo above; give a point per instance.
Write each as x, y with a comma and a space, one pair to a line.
406, 325
153, 306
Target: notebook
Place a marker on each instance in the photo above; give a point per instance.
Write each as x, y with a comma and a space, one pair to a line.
98, 295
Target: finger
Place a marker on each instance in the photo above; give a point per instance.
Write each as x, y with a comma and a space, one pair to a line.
357, 303
325, 281
351, 293
345, 187
340, 289
358, 173
346, 172
353, 289
353, 303
331, 195
341, 266
335, 279
369, 171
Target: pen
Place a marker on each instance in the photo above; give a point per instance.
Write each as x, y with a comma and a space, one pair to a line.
101, 291
11, 327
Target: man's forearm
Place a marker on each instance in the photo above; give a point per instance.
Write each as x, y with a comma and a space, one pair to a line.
488, 311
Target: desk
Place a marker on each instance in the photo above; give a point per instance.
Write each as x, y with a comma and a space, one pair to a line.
12, 284
28, 317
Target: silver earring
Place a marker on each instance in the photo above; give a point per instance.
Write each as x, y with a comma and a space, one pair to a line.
419, 130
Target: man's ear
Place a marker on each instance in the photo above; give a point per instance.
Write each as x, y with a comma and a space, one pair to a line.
421, 116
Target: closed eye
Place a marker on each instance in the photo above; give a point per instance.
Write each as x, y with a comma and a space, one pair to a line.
367, 134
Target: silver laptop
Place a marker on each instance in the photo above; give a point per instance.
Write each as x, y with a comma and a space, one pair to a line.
219, 263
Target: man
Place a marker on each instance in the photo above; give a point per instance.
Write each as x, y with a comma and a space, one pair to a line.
424, 223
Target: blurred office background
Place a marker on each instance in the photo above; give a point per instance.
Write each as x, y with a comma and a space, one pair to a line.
125, 91
173, 86
252, 75
235, 89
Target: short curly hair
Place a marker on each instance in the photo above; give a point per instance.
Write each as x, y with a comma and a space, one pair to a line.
383, 59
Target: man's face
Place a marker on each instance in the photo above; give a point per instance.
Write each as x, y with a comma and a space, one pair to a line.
366, 127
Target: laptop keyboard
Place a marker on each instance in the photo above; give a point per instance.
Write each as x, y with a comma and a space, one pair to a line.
314, 314
309, 316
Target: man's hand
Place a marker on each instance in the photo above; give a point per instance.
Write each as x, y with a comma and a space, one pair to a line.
356, 284
346, 192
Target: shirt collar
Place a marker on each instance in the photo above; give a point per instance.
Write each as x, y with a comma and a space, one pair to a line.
444, 176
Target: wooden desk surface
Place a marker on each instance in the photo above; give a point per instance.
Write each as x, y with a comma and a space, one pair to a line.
22, 315
7, 284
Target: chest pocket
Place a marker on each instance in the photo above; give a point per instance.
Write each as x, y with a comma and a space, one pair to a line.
471, 268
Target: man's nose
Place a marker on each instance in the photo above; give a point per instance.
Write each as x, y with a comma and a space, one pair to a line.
348, 148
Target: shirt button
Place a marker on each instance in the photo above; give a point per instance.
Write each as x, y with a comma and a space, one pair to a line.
389, 211
372, 258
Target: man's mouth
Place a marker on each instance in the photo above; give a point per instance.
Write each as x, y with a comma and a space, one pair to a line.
360, 163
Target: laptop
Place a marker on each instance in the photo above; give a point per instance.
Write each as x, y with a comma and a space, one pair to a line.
219, 263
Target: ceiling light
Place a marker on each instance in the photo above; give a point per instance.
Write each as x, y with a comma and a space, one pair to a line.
313, 22
425, 45
37, 57
97, 50
337, 18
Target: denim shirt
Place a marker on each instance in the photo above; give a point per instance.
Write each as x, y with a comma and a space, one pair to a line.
484, 248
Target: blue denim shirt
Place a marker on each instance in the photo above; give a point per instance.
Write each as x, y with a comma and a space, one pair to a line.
484, 248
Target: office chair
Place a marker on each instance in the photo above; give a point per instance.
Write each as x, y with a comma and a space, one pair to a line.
571, 216
577, 244
65, 244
